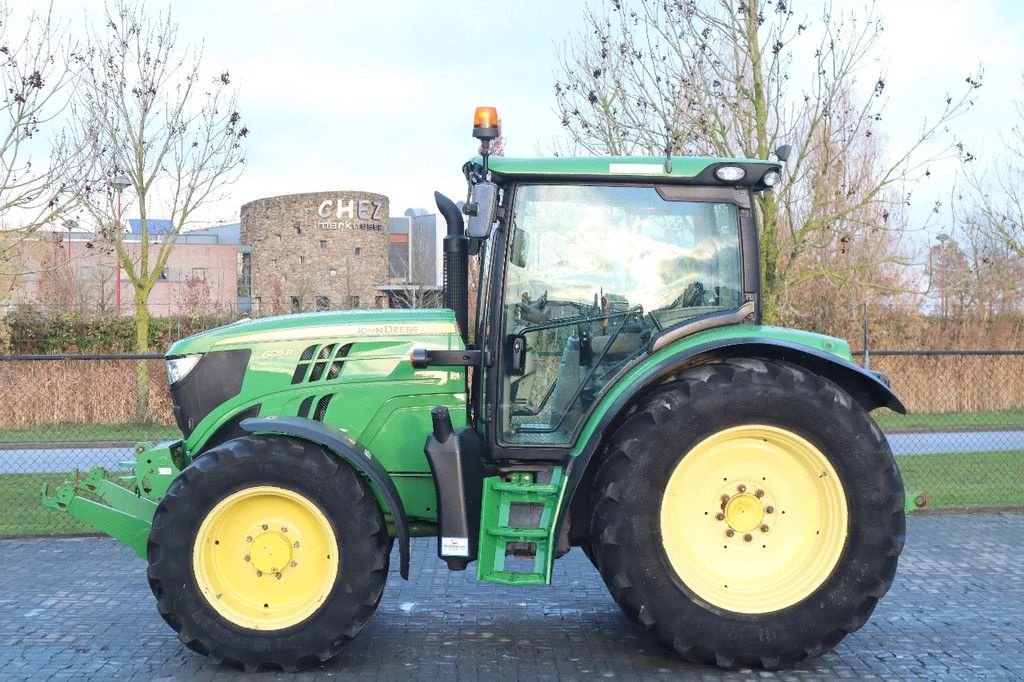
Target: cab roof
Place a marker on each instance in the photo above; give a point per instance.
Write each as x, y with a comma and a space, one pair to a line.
684, 169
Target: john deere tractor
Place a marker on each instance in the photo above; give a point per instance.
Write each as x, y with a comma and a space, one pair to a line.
613, 390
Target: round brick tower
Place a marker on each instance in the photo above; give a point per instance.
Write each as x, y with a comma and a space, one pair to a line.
317, 251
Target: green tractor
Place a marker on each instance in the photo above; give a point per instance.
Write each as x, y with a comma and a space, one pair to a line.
615, 390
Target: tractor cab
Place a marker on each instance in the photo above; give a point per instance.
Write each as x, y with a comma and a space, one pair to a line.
586, 275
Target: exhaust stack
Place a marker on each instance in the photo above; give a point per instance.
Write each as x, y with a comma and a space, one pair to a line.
456, 262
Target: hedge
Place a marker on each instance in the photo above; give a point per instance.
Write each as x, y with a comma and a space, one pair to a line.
29, 331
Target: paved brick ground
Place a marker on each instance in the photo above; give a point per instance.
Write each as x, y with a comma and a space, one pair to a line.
81, 609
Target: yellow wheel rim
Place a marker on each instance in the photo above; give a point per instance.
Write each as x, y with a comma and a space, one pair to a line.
754, 519
265, 558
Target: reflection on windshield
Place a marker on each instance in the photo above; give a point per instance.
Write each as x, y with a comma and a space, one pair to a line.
594, 272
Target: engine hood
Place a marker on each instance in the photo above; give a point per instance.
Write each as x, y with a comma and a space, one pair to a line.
367, 324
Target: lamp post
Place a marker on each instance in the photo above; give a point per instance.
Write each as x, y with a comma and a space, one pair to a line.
119, 182
71, 224
942, 238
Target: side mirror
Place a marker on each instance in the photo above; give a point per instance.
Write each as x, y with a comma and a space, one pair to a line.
481, 209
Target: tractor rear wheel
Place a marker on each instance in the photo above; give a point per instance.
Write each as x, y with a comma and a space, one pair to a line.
749, 513
268, 553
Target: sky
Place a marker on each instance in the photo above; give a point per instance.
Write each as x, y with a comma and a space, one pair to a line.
378, 95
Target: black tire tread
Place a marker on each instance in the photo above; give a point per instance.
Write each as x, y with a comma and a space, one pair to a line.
626, 447
328, 640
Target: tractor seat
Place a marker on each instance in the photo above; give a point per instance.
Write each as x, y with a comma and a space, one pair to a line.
625, 342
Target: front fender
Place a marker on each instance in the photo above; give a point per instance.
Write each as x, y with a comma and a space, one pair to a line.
358, 456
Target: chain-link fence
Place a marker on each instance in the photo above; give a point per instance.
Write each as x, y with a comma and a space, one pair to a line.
59, 413
962, 443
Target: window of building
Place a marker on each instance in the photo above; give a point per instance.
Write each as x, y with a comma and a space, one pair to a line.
245, 275
353, 301
359, 250
323, 302
378, 301
334, 273
323, 244
296, 304
398, 259
302, 259
279, 239
298, 229
199, 273
165, 274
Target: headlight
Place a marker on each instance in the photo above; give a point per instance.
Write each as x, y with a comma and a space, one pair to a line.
730, 173
178, 368
771, 178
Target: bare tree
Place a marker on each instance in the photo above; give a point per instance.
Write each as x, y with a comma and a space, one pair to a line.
147, 113
992, 201
33, 76
723, 77
194, 297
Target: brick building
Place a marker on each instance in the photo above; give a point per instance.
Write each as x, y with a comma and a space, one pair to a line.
76, 271
316, 251
291, 253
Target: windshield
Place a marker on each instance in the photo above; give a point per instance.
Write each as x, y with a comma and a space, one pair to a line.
594, 273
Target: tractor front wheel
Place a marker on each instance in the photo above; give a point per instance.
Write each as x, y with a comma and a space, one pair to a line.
268, 553
749, 514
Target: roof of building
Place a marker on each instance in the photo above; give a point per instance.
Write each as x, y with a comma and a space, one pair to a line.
217, 234
226, 234
685, 169
153, 225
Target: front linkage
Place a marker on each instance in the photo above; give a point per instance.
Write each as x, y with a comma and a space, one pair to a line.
125, 511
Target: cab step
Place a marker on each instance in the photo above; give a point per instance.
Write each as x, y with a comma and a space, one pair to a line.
516, 543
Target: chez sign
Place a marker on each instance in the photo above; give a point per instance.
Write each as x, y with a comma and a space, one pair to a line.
350, 214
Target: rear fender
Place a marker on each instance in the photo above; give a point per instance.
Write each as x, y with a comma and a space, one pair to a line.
870, 389
357, 456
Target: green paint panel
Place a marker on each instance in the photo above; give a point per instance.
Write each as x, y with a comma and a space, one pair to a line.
612, 167
419, 496
364, 378
313, 327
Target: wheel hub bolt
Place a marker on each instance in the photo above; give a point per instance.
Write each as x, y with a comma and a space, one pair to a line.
742, 488
748, 537
284, 529
769, 509
246, 557
277, 575
720, 516
248, 538
759, 493
296, 545
725, 498
294, 564
764, 528
729, 533
264, 526
259, 574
